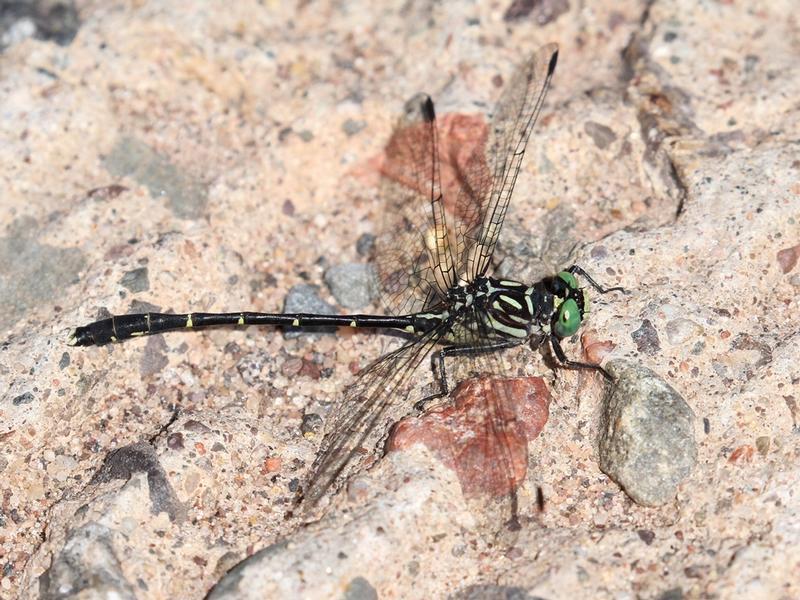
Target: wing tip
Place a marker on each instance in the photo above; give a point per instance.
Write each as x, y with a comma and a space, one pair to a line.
428, 112
553, 60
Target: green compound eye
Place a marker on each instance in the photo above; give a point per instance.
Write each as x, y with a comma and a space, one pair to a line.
569, 279
568, 320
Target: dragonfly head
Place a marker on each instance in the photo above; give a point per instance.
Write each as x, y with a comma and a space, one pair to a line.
571, 304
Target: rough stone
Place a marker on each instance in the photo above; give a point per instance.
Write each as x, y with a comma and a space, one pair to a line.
647, 443
352, 284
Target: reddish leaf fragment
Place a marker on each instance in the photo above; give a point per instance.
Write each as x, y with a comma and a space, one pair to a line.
483, 435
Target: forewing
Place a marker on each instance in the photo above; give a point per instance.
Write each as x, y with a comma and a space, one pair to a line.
413, 257
492, 170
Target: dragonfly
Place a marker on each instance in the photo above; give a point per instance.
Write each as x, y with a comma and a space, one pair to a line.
432, 263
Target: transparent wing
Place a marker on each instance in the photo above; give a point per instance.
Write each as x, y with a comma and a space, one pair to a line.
492, 170
493, 463
361, 419
413, 258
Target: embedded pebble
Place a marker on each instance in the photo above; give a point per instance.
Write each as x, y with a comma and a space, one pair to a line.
352, 127
352, 284
646, 338
647, 442
136, 280
681, 330
365, 244
360, 589
311, 425
601, 135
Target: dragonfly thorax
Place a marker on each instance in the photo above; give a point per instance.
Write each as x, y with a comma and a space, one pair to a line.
513, 309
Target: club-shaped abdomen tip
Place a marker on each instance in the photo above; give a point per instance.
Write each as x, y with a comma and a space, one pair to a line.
72, 340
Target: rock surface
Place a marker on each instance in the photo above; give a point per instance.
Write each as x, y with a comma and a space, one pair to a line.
213, 159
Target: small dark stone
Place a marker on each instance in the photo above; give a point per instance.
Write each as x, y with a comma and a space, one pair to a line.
360, 589
646, 536
63, 363
109, 192
311, 425
25, 398
138, 306
646, 338
488, 591
365, 244
672, 594
352, 127
136, 280
541, 11
196, 426
175, 441
603, 136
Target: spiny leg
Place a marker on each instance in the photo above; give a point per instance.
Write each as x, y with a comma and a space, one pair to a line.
573, 364
576, 270
437, 360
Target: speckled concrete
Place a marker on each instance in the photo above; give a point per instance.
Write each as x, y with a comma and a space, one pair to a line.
212, 159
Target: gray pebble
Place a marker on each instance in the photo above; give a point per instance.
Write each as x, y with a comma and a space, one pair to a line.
352, 127
647, 442
365, 244
136, 280
360, 589
679, 331
25, 398
603, 136
352, 284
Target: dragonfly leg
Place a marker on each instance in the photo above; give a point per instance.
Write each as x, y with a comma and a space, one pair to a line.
438, 366
573, 364
576, 270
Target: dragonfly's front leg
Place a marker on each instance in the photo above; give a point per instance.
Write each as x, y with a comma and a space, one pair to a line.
574, 364
437, 364
576, 270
